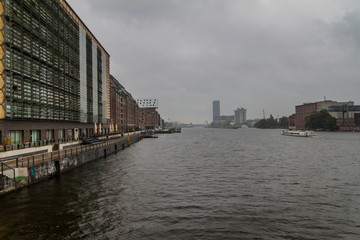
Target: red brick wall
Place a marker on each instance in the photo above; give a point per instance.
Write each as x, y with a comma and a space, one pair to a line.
301, 112
131, 113
117, 107
292, 120
148, 117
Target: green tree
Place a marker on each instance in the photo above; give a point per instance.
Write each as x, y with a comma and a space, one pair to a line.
320, 120
272, 123
261, 124
330, 123
284, 122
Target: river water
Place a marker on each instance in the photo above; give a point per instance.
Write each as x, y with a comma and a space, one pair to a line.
200, 184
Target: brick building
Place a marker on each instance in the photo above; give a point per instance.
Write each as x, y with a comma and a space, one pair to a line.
304, 110
118, 113
301, 112
292, 121
149, 118
132, 109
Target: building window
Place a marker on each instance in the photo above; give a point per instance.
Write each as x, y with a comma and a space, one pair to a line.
70, 133
61, 134
49, 134
35, 135
16, 137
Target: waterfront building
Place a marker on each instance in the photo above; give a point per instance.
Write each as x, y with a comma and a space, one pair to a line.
216, 110
344, 118
123, 108
147, 102
223, 121
54, 74
132, 109
149, 118
292, 121
240, 116
118, 110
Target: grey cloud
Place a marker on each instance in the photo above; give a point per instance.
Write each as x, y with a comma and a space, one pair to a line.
269, 55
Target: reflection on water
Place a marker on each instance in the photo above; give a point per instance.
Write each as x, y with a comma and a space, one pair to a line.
200, 184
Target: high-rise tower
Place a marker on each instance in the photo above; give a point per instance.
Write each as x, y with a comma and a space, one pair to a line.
216, 109
240, 116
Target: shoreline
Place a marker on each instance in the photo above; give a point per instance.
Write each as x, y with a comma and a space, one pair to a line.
22, 172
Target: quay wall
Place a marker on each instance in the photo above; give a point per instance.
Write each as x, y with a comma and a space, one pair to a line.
44, 166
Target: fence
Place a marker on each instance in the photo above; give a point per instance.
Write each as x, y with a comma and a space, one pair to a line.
28, 161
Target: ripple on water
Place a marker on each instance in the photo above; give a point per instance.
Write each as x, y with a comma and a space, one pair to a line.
201, 184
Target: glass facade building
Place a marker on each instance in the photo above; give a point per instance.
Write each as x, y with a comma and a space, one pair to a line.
54, 74
216, 109
52, 67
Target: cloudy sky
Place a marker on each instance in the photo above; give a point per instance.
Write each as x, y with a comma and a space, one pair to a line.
256, 54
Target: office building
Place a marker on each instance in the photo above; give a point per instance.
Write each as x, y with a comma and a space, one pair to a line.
216, 110
54, 74
239, 116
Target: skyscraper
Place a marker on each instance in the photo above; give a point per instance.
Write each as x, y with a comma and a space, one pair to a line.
240, 116
216, 109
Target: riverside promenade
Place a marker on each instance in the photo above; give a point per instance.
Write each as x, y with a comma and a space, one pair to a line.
24, 171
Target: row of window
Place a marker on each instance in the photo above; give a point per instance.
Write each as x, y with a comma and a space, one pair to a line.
29, 111
17, 136
43, 17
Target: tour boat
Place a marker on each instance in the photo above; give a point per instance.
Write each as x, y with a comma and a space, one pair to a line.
298, 133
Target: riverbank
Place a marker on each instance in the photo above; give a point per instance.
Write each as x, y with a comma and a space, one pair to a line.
24, 171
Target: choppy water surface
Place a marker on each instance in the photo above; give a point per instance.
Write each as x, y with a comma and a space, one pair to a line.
200, 184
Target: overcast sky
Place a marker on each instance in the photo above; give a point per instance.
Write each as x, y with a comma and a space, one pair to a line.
256, 54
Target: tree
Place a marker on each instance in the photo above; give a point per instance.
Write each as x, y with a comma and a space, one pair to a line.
330, 123
283, 122
320, 120
261, 124
272, 123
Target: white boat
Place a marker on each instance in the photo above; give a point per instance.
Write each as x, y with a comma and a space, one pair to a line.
298, 133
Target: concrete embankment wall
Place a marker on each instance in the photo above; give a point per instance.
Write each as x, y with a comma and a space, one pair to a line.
59, 162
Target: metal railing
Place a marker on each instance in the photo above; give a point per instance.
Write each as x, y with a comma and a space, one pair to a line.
27, 161
4, 168
11, 147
